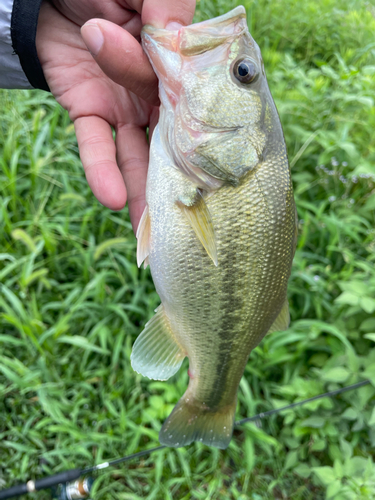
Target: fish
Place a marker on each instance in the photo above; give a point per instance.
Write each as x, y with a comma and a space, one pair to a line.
220, 228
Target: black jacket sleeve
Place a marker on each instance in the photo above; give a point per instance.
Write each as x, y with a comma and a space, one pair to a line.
23, 31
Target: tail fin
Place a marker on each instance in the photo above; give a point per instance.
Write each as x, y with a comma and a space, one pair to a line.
191, 421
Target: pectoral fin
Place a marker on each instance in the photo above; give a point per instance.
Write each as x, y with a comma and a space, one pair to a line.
143, 237
200, 220
283, 319
156, 353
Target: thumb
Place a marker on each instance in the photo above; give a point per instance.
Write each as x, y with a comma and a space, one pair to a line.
121, 58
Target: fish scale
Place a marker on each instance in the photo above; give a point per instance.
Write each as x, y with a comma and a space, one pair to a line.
220, 248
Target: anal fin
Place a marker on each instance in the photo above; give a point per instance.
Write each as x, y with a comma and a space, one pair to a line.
143, 238
156, 353
200, 220
283, 319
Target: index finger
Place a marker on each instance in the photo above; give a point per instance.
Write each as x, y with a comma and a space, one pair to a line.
159, 14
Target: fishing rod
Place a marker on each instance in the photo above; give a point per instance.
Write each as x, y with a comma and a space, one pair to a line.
71, 485
65, 486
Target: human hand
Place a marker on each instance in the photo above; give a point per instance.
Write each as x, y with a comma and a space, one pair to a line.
121, 93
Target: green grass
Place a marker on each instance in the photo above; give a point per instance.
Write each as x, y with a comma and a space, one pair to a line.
72, 299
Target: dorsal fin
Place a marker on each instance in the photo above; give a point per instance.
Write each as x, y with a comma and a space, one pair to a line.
282, 321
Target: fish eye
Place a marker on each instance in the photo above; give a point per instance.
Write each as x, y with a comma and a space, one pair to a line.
245, 70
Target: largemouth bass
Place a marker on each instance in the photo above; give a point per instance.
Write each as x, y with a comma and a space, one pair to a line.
219, 229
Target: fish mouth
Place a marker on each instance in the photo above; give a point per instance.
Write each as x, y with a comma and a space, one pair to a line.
207, 35
169, 50
200, 37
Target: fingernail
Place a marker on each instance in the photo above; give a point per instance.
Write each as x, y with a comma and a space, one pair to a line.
173, 26
93, 37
